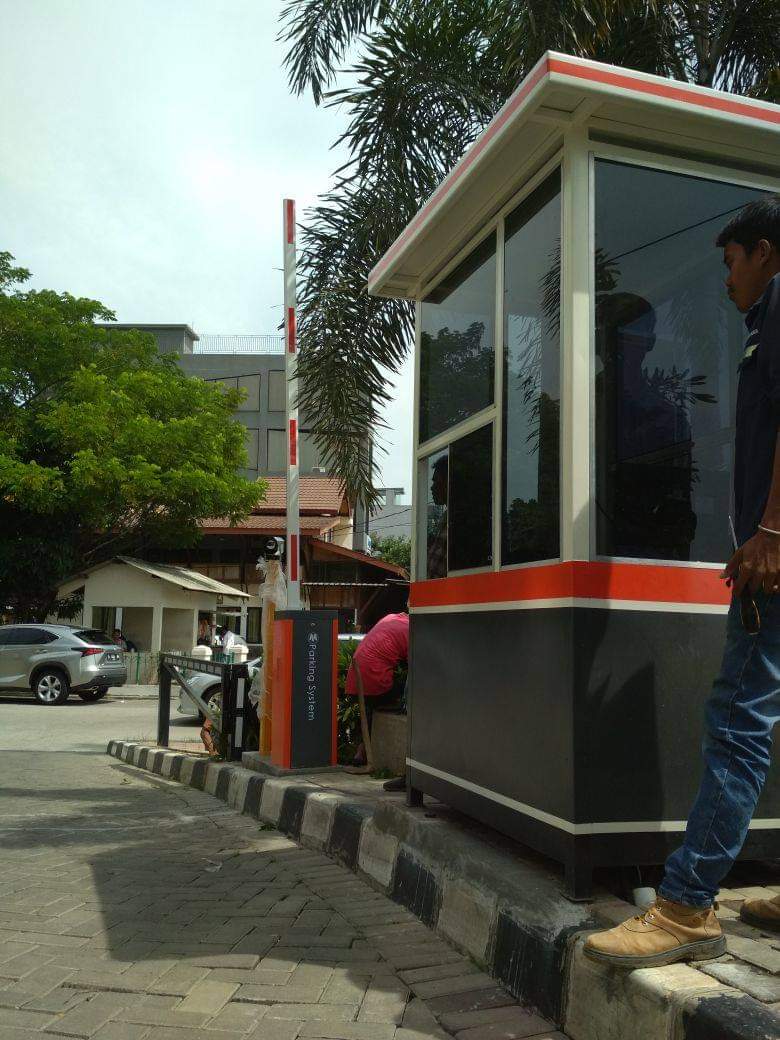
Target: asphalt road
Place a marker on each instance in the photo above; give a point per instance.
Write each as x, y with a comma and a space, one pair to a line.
76, 726
135, 908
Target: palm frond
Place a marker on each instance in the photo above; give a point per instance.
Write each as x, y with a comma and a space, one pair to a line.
320, 32
429, 74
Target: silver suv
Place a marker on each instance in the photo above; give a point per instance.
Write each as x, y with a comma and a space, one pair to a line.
52, 660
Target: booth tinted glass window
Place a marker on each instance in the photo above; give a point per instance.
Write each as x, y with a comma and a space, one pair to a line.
668, 343
457, 343
432, 530
456, 497
531, 407
471, 501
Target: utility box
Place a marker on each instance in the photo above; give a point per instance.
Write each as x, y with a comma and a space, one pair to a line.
305, 693
575, 382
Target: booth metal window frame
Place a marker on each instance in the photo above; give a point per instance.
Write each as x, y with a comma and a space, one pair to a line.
493, 413
663, 162
576, 156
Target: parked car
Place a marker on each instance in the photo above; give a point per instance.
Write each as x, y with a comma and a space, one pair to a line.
207, 687
52, 660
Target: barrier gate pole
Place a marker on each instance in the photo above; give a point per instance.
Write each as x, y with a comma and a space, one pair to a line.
291, 365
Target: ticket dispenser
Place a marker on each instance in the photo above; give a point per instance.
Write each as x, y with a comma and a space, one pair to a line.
304, 696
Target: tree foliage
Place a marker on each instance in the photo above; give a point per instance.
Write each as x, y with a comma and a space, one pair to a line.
104, 444
394, 549
420, 79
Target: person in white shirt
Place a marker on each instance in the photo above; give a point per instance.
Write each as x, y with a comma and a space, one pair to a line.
230, 641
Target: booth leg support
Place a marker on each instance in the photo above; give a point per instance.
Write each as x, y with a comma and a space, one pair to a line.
414, 796
578, 878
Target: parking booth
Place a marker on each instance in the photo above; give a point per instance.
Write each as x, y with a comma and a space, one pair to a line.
575, 379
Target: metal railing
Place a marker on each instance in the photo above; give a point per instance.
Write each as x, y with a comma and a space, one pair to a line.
229, 722
248, 344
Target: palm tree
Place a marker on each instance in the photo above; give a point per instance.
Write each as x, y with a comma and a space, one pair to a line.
421, 78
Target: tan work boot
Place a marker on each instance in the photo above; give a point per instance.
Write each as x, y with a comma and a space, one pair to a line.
665, 933
762, 913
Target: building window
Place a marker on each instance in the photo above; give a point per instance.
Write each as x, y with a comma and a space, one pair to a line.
531, 405
668, 343
277, 451
308, 453
457, 343
277, 390
434, 498
456, 500
252, 439
250, 384
254, 617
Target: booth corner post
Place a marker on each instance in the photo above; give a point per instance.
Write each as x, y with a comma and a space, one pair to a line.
570, 487
291, 366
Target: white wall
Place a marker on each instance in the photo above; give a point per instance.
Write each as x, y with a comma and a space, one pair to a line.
137, 626
179, 629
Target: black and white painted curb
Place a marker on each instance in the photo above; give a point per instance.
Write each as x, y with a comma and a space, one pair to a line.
508, 916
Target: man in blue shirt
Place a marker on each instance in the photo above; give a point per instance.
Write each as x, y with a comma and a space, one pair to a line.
745, 701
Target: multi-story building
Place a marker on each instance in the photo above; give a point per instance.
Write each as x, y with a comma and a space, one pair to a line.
256, 365
391, 518
335, 570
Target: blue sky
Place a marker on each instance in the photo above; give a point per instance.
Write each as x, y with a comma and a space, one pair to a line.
146, 148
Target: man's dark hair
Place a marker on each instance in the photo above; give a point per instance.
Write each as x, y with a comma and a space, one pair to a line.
756, 220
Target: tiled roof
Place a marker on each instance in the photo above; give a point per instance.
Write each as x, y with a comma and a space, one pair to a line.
325, 549
270, 525
180, 576
317, 496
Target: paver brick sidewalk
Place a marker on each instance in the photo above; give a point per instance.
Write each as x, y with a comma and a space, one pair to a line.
152, 912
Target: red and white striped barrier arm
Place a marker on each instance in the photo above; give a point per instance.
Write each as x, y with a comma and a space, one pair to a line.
293, 454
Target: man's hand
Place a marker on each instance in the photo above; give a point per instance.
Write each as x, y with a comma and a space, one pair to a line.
756, 565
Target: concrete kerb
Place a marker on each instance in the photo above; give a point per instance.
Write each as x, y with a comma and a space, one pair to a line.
507, 915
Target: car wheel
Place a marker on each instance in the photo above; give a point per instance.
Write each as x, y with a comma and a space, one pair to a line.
51, 687
90, 696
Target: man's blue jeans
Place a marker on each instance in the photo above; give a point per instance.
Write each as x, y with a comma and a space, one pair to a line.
742, 709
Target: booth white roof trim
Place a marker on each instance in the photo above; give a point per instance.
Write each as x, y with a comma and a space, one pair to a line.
562, 92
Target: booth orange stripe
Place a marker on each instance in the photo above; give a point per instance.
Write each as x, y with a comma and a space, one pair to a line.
769, 114
673, 91
602, 580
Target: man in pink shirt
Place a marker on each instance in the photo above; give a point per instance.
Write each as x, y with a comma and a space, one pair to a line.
376, 659
382, 650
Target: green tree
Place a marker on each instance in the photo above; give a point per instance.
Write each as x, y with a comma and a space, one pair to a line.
420, 79
105, 445
394, 549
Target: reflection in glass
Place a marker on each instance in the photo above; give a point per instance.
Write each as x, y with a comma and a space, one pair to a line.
471, 500
457, 343
434, 496
668, 343
456, 507
531, 407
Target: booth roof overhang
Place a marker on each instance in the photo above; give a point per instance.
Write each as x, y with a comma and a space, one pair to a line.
561, 93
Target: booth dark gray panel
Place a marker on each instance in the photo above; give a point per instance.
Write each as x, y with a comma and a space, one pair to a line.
641, 681
588, 715
478, 682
